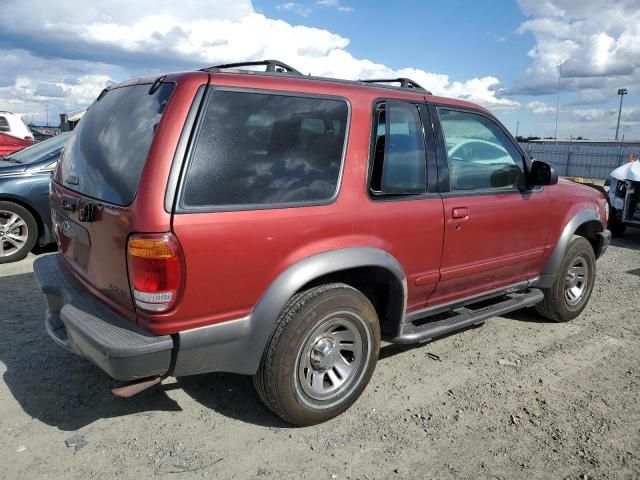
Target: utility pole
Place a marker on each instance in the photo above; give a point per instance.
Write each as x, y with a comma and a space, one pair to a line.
555, 135
622, 92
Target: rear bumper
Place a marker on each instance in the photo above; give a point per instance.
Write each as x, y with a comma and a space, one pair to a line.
79, 322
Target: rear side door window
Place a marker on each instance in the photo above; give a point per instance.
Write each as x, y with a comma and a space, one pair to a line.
264, 150
399, 163
480, 155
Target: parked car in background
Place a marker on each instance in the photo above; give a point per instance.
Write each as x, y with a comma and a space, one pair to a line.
14, 134
624, 198
25, 218
10, 144
279, 225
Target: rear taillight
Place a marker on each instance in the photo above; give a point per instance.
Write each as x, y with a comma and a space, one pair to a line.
156, 270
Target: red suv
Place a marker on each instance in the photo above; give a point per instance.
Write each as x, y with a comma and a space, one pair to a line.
273, 224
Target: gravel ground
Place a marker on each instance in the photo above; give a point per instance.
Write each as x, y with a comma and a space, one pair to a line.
516, 398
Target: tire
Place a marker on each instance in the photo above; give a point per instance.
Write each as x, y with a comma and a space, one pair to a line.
22, 226
568, 296
615, 225
299, 375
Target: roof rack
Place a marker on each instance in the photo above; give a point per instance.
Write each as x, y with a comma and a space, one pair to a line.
271, 66
405, 83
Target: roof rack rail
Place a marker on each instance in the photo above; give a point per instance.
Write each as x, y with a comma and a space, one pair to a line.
405, 83
271, 66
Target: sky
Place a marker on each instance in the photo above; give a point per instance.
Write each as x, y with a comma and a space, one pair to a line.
511, 56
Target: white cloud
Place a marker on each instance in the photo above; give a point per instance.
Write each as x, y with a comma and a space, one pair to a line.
334, 4
588, 114
80, 46
295, 8
593, 43
540, 108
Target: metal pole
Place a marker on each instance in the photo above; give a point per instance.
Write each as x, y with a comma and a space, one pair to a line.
569, 156
555, 135
517, 128
622, 92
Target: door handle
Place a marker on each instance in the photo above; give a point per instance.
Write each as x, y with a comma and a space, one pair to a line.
460, 212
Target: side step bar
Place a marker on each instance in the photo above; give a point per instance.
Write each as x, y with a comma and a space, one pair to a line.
466, 317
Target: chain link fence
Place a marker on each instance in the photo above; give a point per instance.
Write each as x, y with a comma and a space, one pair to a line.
589, 160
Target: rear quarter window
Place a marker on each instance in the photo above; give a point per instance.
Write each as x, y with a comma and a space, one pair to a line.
260, 150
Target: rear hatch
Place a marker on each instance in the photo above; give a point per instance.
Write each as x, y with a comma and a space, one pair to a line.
95, 186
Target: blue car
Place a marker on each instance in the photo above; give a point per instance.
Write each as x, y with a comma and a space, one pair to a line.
25, 218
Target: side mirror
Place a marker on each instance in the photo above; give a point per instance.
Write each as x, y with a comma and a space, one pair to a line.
542, 173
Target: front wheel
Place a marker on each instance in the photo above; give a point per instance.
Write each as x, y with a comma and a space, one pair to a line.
321, 355
571, 291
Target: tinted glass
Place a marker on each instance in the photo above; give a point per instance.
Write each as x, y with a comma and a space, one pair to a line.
481, 155
400, 163
4, 124
108, 149
266, 149
44, 150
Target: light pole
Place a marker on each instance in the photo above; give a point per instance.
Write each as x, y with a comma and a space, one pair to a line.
555, 134
622, 92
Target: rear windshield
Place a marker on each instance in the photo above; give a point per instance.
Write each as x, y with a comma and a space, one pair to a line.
108, 149
260, 150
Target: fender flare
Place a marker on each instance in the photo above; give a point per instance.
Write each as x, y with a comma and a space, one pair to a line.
236, 346
550, 270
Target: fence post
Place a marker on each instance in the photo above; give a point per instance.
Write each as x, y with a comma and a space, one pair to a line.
566, 172
621, 155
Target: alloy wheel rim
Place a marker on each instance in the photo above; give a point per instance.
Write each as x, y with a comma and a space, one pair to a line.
576, 281
13, 233
331, 359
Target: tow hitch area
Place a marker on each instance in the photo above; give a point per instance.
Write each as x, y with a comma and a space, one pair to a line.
132, 389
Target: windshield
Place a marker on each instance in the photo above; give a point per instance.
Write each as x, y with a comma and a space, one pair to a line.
108, 149
40, 151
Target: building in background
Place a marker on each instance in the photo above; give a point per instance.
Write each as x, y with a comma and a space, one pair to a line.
68, 121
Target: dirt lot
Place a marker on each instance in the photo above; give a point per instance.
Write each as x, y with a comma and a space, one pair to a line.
516, 398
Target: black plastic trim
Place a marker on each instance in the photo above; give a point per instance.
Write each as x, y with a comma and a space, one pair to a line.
441, 150
272, 66
405, 84
422, 333
186, 137
550, 271
461, 302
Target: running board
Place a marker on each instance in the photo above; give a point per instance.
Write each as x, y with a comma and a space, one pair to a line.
465, 317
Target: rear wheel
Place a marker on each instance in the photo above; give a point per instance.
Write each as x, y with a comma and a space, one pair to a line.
18, 232
321, 355
571, 291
